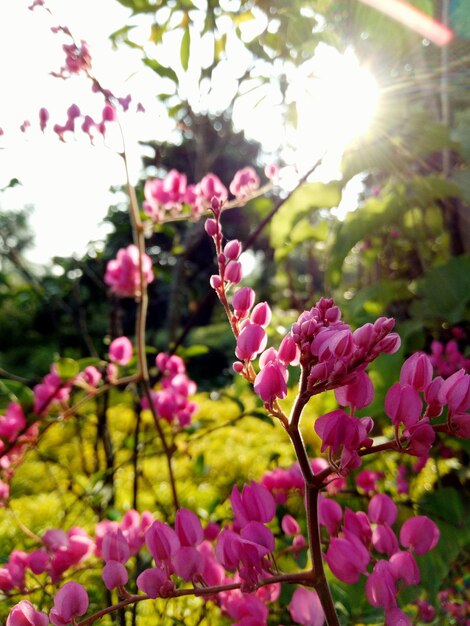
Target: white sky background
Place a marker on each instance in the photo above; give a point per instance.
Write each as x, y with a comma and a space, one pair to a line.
68, 183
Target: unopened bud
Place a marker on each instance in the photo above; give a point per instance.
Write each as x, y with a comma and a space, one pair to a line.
215, 281
238, 367
261, 314
215, 205
233, 272
233, 249
211, 227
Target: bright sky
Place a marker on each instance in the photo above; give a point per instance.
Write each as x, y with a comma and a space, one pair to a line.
68, 182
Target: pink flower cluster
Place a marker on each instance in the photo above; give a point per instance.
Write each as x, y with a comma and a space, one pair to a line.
249, 543
77, 57
60, 551
331, 353
122, 273
281, 482
171, 402
349, 552
166, 197
447, 358
52, 390
404, 405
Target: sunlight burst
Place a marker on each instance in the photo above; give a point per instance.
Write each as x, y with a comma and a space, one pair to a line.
336, 102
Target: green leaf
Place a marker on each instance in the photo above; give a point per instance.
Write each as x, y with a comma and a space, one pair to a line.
161, 70
200, 468
365, 221
263, 417
67, 368
305, 200
372, 301
90, 360
444, 291
235, 399
13, 391
184, 50
191, 351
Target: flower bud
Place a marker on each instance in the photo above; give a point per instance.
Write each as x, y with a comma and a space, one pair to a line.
215, 281
233, 272
114, 575
261, 314
233, 249
211, 227
243, 300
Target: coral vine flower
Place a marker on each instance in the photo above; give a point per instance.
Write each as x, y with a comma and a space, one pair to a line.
120, 351
122, 273
305, 608
24, 614
347, 558
337, 429
419, 533
69, 602
254, 503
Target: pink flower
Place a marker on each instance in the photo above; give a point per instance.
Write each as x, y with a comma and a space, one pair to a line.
305, 608
254, 503
24, 614
250, 342
188, 563
120, 351
330, 515
419, 533
188, 528
289, 352
115, 546
396, 617
420, 438
261, 314
211, 186
162, 542
384, 539
337, 429
109, 113
461, 425
356, 394
114, 575
12, 422
155, 583
455, 392
289, 525
381, 588
403, 404
43, 118
242, 301
69, 602
122, 273
358, 524
233, 249
382, 509
233, 272
244, 183
347, 558
404, 567
367, 480
417, 371
271, 382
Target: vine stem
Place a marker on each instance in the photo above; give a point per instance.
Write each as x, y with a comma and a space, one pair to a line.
142, 307
312, 492
304, 578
